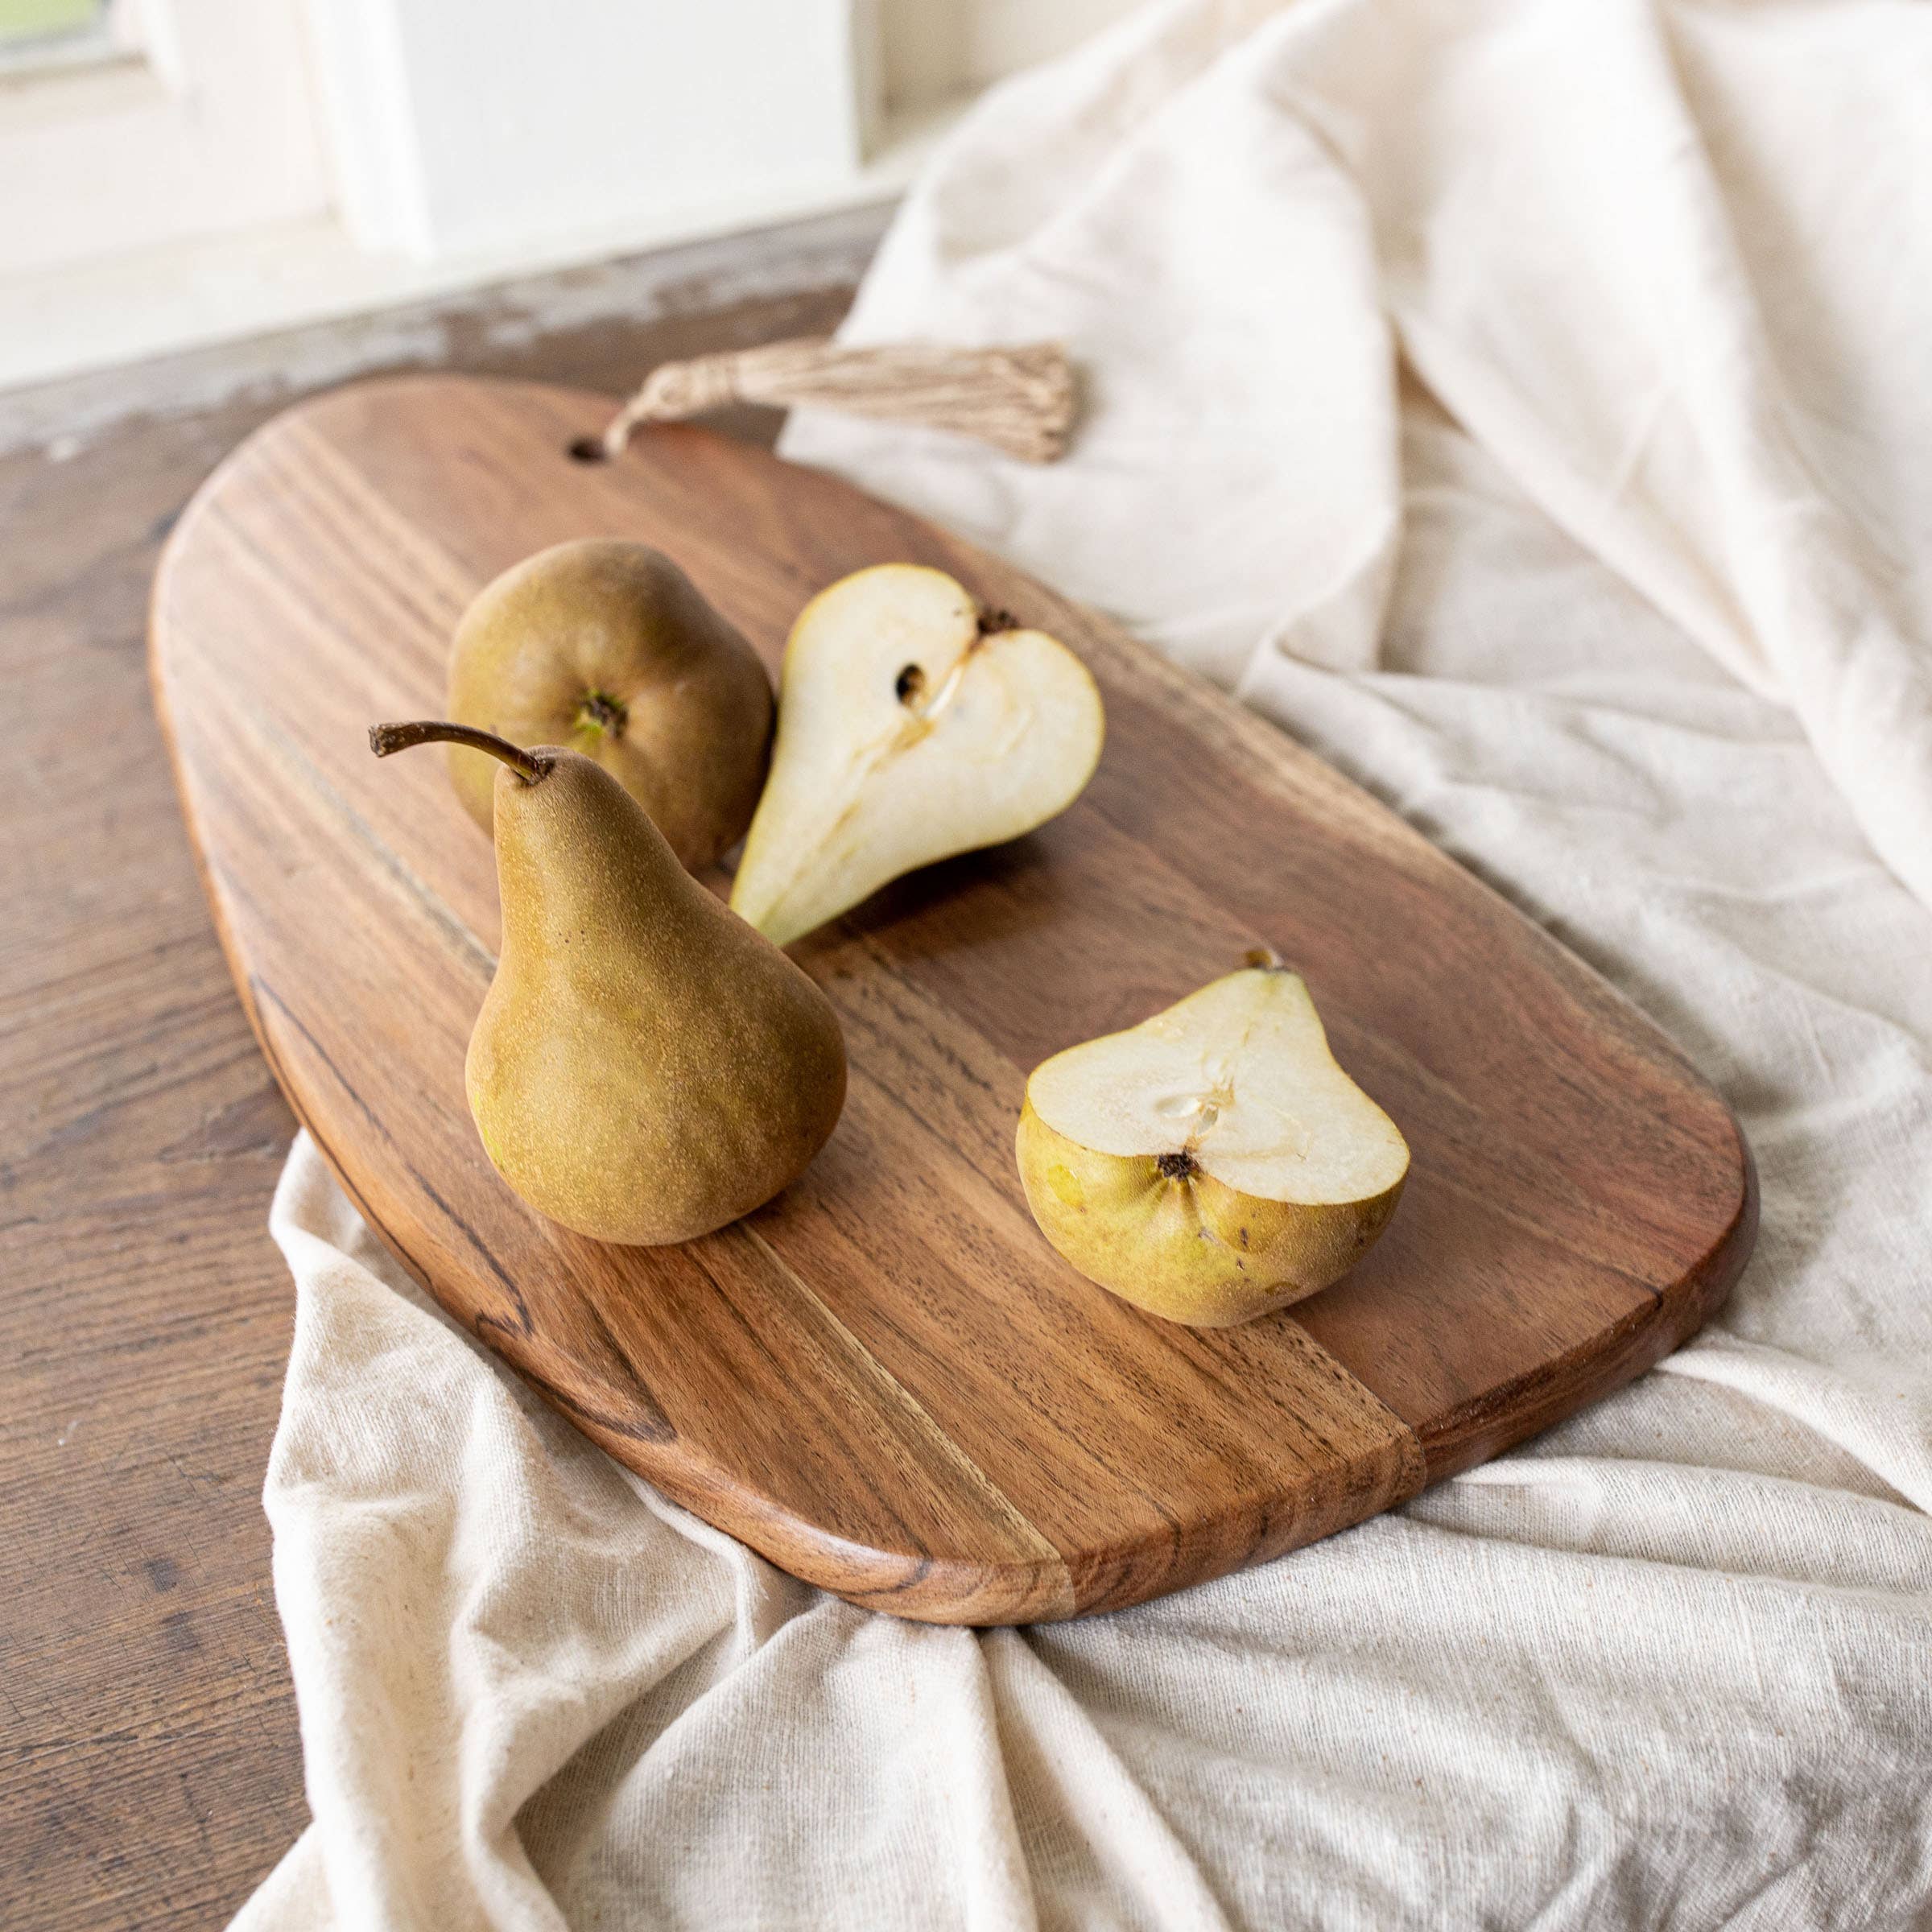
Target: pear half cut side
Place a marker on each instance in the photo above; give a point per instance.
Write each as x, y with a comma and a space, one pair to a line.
912, 725
1213, 1163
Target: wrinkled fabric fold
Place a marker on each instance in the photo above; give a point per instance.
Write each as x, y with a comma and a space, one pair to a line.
1526, 406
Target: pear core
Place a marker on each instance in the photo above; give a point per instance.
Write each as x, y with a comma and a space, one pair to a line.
1213, 1162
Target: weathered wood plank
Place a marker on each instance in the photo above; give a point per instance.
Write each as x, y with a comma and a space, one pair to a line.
150, 1768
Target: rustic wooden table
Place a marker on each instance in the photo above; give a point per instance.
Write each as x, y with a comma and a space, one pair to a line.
152, 1772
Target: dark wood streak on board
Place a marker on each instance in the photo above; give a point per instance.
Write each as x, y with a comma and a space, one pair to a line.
885, 1380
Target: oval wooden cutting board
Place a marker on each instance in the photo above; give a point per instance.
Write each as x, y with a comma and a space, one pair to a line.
885, 1380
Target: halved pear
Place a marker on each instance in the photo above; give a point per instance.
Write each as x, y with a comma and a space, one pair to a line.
1214, 1162
912, 725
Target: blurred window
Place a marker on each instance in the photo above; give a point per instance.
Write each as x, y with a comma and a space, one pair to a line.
37, 35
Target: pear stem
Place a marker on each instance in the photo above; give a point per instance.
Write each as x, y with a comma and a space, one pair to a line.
383, 739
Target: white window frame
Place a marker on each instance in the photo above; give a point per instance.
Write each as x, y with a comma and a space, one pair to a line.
250, 165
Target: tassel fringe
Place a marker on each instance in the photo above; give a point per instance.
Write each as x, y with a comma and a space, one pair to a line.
1020, 400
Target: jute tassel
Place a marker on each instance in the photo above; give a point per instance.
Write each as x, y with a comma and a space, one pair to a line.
1020, 400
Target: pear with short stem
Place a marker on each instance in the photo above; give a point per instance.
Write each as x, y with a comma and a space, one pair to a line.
607, 647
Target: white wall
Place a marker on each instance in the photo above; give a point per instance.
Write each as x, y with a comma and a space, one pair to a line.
465, 125
249, 164
471, 125
938, 50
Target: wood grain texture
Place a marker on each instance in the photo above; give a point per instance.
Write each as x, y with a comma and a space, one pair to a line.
885, 1380
151, 1772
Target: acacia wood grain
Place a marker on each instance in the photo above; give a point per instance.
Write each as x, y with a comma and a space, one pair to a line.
152, 1772
885, 1380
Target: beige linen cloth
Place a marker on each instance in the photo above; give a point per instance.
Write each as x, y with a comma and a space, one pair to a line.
1529, 406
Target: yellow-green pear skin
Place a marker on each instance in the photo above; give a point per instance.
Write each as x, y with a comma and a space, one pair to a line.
607, 648
646, 1067
1193, 1249
1216, 1164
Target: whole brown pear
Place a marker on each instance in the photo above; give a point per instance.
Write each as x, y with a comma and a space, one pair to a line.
606, 648
646, 1067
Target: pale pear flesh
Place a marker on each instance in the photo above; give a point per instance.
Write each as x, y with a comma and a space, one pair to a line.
1214, 1162
911, 726
645, 1067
